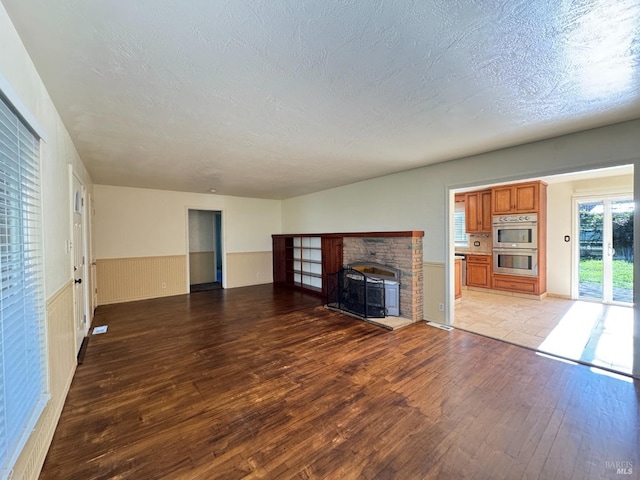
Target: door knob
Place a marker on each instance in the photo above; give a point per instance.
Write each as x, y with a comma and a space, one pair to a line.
79, 280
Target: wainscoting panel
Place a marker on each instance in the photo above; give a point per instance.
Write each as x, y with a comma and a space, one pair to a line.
202, 267
434, 291
127, 279
249, 268
61, 364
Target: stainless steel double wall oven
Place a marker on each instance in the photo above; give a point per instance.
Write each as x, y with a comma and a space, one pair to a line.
515, 244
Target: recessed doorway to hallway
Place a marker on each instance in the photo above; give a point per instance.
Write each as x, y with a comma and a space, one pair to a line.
205, 250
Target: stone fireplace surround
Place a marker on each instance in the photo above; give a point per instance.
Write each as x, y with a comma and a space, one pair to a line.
401, 252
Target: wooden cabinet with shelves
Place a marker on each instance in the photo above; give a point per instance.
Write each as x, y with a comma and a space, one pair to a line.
479, 271
304, 263
517, 198
478, 211
307, 261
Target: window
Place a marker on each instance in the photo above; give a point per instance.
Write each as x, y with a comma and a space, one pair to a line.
22, 337
460, 237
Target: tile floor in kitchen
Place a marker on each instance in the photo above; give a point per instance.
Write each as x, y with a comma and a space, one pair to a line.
592, 333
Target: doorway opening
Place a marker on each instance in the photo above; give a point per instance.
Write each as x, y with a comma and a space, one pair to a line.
605, 249
205, 250
587, 315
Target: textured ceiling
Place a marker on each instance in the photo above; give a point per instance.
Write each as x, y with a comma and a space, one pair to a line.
278, 98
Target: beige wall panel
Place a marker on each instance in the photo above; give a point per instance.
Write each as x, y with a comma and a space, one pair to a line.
250, 268
62, 365
434, 292
202, 267
127, 279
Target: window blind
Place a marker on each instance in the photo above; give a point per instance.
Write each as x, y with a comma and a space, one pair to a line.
460, 236
22, 338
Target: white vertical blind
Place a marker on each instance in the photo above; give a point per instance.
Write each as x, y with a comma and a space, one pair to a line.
460, 236
22, 339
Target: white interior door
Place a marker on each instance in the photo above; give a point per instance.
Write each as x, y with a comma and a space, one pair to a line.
78, 251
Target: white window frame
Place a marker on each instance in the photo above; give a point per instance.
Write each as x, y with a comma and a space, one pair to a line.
460, 236
36, 394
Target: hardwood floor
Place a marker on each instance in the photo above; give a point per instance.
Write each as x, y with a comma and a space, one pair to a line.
263, 382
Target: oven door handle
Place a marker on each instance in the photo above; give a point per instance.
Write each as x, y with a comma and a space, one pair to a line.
515, 224
514, 250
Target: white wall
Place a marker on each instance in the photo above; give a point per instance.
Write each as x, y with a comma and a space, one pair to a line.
57, 152
138, 222
560, 222
419, 199
201, 231
20, 81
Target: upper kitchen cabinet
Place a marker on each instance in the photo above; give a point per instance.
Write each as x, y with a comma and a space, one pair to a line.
478, 211
517, 198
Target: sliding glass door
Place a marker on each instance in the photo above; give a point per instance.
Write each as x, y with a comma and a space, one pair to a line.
605, 268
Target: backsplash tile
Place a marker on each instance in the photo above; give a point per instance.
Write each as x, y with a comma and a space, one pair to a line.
484, 241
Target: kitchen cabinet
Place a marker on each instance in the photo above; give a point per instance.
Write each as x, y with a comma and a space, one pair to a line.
458, 278
478, 211
516, 284
479, 271
517, 198
526, 197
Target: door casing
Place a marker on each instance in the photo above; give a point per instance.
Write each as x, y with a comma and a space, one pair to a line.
607, 234
79, 256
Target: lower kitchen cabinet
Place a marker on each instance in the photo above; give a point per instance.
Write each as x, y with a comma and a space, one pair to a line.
512, 283
458, 278
479, 271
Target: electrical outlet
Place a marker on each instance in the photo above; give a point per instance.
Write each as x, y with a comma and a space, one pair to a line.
441, 307
164, 284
